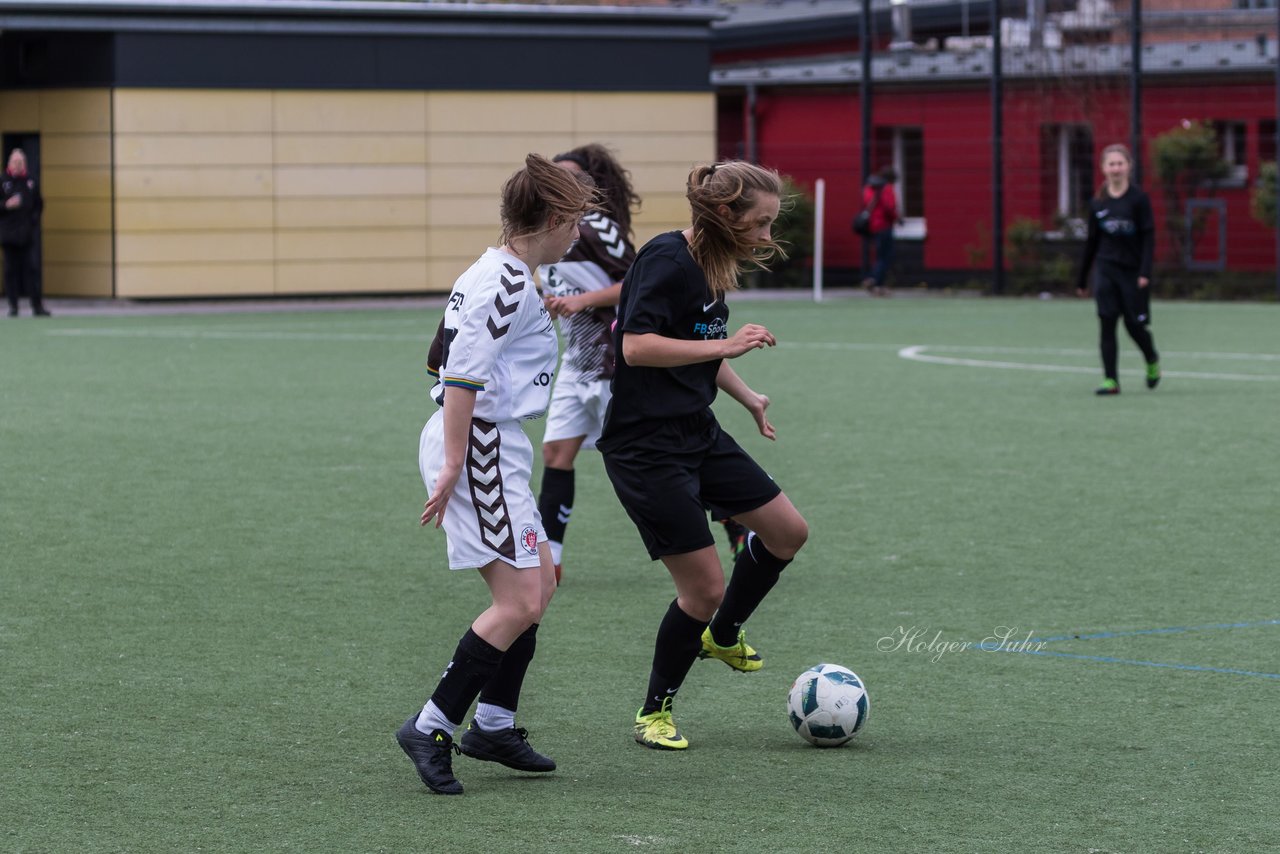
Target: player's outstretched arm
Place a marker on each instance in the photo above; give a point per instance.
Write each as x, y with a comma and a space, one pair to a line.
459, 405
730, 383
651, 350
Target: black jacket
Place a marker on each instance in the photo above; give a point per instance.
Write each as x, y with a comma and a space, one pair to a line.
18, 225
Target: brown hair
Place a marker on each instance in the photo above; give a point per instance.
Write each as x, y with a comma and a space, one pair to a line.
1114, 148
614, 183
720, 243
541, 191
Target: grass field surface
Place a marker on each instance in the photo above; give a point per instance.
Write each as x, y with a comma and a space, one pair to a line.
216, 605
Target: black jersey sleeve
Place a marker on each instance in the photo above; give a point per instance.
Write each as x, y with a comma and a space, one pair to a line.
1090, 249
1146, 227
651, 295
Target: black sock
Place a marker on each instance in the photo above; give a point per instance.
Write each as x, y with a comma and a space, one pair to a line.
1142, 337
755, 572
674, 652
555, 502
473, 663
503, 687
1107, 342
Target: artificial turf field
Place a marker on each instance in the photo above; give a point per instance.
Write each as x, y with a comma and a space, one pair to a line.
216, 606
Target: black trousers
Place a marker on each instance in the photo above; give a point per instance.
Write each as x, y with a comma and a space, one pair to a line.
1119, 297
22, 275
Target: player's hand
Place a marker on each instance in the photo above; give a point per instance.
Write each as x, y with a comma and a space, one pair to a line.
14, 201
435, 506
571, 305
549, 303
1143, 281
756, 407
1082, 292
753, 336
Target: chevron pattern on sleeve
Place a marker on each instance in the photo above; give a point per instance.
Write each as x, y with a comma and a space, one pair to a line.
609, 233
485, 478
513, 283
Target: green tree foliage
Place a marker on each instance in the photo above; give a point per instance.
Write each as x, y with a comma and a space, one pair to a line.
1187, 162
1262, 202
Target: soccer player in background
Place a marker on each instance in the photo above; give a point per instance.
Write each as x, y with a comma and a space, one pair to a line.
496, 357
663, 449
581, 289
1122, 238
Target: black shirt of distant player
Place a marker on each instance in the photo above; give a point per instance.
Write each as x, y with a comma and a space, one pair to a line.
1121, 230
665, 292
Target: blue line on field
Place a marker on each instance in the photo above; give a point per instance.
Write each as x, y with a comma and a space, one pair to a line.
1172, 630
1110, 660
1020, 647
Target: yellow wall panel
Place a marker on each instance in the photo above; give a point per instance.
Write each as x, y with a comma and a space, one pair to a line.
672, 148
75, 247
465, 210
351, 112
372, 244
65, 182
194, 182
194, 280
443, 271
193, 247
80, 149
212, 149
19, 111
613, 112
403, 212
506, 149
449, 241
232, 214
75, 111
77, 280
330, 181
78, 215
508, 113
344, 149
192, 111
351, 277
476, 179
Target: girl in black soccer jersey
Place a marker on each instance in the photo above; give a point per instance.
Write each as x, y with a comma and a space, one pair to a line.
495, 355
1122, 237
663, 449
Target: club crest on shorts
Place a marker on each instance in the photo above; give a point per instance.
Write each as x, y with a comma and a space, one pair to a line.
529, 539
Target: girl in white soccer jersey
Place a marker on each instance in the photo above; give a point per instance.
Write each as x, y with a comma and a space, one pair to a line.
663, 449
496, 358
581, 289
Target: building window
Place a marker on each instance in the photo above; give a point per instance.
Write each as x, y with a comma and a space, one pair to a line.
1267, 140
1231, 139
1069, 170
903, 149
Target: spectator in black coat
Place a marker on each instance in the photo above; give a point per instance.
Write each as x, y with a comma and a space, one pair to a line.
20, 234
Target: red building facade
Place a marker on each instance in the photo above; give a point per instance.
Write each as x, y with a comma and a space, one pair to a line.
932, 121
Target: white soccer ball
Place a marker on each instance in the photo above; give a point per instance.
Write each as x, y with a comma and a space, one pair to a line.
828, 705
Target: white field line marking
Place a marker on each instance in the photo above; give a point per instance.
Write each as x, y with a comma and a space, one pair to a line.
916, 353
241, 334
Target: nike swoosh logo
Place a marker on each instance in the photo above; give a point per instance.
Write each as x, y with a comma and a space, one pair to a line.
709, 305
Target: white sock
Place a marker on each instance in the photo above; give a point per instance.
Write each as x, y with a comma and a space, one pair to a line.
556, 550
494, 718
431, 719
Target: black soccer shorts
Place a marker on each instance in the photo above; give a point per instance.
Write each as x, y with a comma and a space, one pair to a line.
666, 473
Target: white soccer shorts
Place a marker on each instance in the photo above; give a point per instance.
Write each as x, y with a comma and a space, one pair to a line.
577, 409
492, 514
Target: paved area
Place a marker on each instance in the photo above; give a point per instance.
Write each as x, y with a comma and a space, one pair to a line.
68, 307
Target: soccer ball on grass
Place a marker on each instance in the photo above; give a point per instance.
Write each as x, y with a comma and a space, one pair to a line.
828, 705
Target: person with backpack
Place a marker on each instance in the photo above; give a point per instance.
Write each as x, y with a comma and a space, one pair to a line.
875, 222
